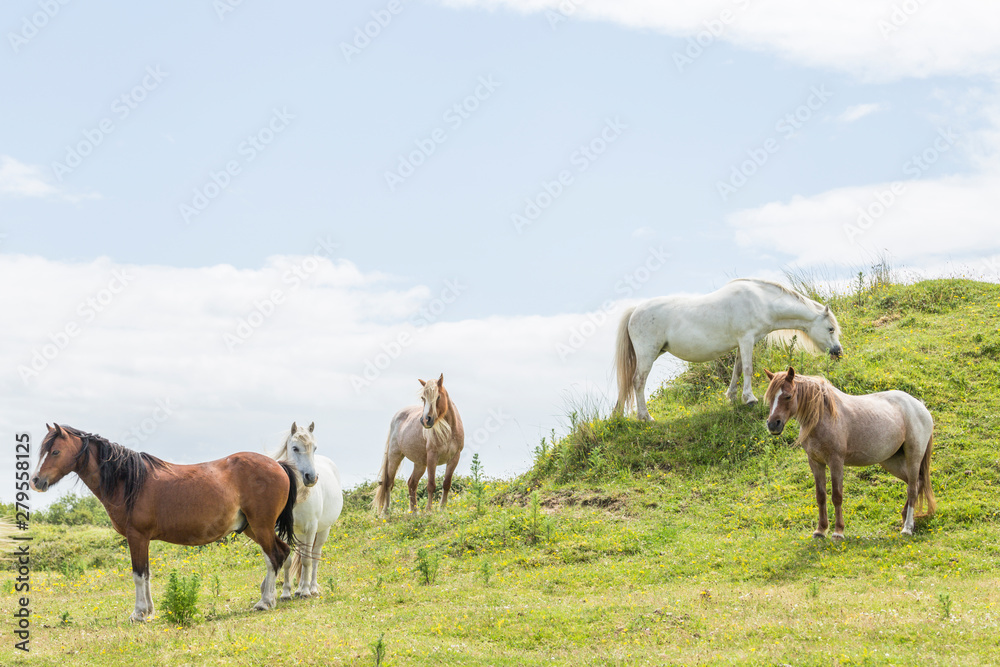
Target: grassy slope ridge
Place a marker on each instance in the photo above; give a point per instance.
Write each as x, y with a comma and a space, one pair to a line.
685, 541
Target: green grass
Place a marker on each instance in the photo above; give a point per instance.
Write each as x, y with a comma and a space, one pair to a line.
684, 541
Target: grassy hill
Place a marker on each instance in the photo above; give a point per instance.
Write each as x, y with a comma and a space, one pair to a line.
684, 541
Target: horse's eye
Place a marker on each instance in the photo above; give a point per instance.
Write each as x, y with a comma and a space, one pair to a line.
786, 397
55, 453
295, 449
832, 329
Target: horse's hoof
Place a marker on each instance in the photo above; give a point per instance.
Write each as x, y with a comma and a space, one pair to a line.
137, 618
838, 536
262, 606
285, 597
819, 536
907, 531
302, 594
751, 403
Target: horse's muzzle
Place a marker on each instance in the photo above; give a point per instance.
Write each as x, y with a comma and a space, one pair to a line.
310, 480
775, 426
37, 484
427, 422
837, 352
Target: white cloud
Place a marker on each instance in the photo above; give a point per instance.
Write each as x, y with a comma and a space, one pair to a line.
18, 179
858, 111
125, 340
879, 40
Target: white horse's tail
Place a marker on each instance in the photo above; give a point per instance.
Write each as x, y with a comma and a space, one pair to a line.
295, 567
383, 490
625, 365
926, 493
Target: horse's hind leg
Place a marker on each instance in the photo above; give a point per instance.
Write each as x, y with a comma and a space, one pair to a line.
418, 472
643, 365
914, 457
895, 465
432, 461
275, 553
819, 475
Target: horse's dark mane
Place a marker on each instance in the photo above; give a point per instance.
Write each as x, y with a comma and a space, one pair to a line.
115, 464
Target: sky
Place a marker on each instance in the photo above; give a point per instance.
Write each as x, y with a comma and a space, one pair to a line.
218, 217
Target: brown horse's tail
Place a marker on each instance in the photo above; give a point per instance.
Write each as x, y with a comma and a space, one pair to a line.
625, 365
285, 525
926, 492
383, 488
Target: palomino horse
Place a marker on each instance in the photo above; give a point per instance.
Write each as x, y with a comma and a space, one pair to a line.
316, 508
703, 328
890, 428
150, 499
430, 435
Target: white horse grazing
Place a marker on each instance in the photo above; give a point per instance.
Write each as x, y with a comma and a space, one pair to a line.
703, 328
317, 508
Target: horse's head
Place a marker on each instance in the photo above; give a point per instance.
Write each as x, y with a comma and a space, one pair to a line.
783, 399
60, 455
300, 448
435, 401
825, 332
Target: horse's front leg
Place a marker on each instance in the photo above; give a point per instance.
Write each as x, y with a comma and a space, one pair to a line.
837, 482
308, 563
446, 487
138, 547
411, 484
819, 475
432, 461
737, 367
318, 553
745, 355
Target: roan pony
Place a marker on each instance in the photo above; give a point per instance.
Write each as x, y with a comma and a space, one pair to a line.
889, 428
430, 434
316, 508
703, 328
150, 499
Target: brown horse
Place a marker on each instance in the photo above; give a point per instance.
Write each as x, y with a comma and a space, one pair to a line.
430, 435
150, 499
889, 428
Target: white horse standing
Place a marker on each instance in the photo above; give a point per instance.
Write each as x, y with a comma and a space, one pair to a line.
703, 328
316, 509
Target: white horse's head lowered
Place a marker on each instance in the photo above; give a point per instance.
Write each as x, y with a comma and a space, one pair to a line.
435, 401
825, 332
299, 449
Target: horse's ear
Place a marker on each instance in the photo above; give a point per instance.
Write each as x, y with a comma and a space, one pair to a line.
790, 376
293, 428
422, 383
770, 375
312, 426
56, 428
441, 380
826, 311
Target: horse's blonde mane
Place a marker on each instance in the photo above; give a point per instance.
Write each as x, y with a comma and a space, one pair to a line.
782, 288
